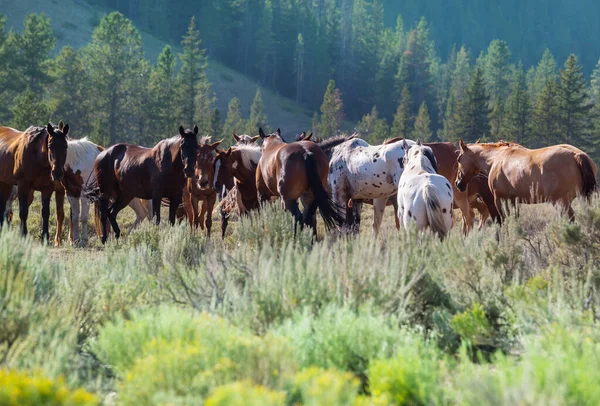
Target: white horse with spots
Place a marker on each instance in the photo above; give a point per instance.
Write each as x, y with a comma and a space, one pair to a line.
423, 195
359, 171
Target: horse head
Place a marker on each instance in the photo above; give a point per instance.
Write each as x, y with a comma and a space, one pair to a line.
205, 170
189, 148
419, 151
245, 139
274, 138
468, 167
57, 149
223, 171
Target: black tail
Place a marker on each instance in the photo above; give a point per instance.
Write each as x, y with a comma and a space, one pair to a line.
586, 167
331, 213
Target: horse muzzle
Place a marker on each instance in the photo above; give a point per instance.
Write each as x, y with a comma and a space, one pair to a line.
188, 172
461, 185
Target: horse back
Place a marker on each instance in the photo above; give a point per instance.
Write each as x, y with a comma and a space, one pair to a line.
9, 141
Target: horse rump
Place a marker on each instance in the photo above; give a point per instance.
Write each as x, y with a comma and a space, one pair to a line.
332, 214
433, 209
586, 167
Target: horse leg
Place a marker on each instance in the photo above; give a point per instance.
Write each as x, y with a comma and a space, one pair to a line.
310, 211
188, 206
498, 204
207, 209
378, 209
84, 213
5, 195
23, 194
104, 218
120, 204
60, 216
156, 203
461, 200
173, 206
46, 196
395, 206
292, 207
74, 216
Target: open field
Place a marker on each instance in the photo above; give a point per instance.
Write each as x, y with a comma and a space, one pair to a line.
502, 316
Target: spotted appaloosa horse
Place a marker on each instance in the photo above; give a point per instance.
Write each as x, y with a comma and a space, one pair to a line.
32, 160
200, 187
245, 139
359, 171
293, 171
126, 171
424, 196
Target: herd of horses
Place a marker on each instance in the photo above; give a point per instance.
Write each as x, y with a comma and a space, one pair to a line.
424, 182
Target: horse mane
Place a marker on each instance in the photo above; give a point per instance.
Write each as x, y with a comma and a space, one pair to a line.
205, 140
250, 155
500, 143
392, 140
35, 133
79, 150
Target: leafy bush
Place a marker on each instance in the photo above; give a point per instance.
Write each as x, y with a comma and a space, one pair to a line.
20, 389
315, 386
472, 325
244, 394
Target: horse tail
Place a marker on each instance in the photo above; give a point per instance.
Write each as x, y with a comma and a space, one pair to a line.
433, 208
330, 212
588, 176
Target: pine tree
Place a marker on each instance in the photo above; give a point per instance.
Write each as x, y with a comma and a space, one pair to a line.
113, 60
461, 77
402, 125
451, 120
162, 88
4, 73
299, 67
373, 128
423, 124
258, 117
70, 93
29, 109
595, 84
518, 115
473, 112
234, 122
217, 125
497, 70
546, 117
497, 119
575, 108
545, 70
332, 111
315, 124
33, 47
192, 79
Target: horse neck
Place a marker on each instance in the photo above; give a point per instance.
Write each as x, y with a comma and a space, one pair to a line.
486, 157
175, 149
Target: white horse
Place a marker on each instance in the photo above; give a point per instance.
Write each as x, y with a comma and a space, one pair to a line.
423, 195
245, 139
359, 171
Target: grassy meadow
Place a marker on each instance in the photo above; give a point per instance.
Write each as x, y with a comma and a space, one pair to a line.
506, 315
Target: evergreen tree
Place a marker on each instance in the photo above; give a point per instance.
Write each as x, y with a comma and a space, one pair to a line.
332, 111
545, 70
461, 77
497, 70
391, 50
113, 60
575, 108
192, 79
162, 89
5, 93
595, 84
299, 67
402, 125
29, 109
217, 125
70, 93
315, 124
519, 109
451, 120
497, 117
423, 125
258, 117
33, 46
546, 117
373, 128
473, 111
234, 122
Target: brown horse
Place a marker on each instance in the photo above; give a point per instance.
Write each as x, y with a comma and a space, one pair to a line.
555, 174
200, 187
32, 160
126, 171
293, 171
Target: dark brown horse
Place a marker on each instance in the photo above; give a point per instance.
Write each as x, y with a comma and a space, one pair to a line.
293, 171
126, 171
200, 187
32, 160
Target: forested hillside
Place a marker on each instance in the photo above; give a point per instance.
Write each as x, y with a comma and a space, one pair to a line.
414, 69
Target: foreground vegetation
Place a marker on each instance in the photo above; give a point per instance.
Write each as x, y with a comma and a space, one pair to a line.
503, 316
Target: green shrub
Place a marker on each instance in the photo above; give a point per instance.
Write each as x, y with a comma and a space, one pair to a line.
244, 394
315, 386
473, 326
20, 389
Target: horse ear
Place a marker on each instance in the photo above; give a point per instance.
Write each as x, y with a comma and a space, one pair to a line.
309, 137
65, 129
228, 152
61, 125
302, 136
418, 141
181, 131
478, 141
278, 132
237, 139
50, 129
261, 133
216, 144
404, 145
463, 146
196, 129
254, 139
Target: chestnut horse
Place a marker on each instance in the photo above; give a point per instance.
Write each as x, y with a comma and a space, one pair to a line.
293, 171
200, 187
32, 160
126, 171
556, 174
